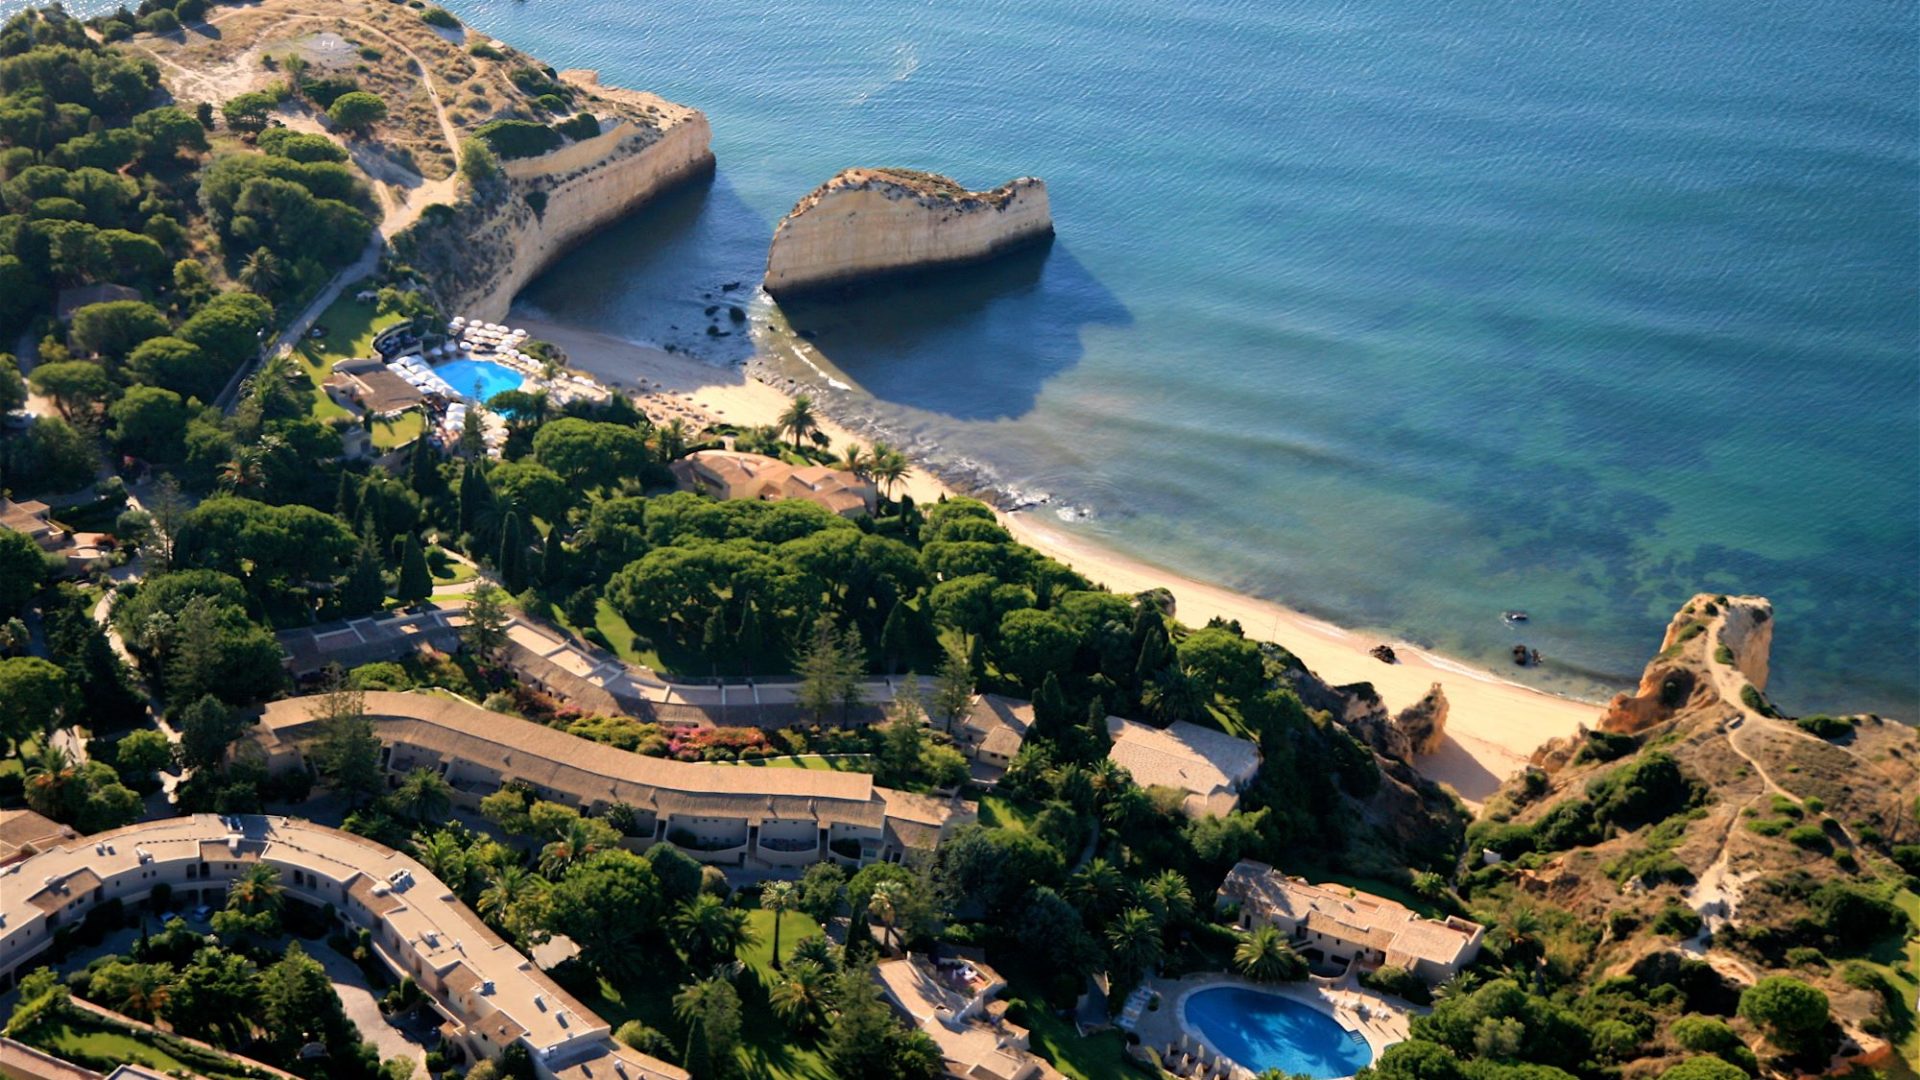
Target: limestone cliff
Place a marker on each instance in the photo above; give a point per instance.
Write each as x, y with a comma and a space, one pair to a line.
868, 223
1424, 722
1693, 794
477, 255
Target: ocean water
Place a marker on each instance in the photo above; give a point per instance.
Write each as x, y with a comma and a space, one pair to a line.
1403, 313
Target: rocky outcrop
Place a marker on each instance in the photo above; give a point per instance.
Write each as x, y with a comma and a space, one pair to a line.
870, 223
1424, 723
1710, 630
476, 256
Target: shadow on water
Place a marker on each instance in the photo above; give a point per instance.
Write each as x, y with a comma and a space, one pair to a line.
975, 343
653, 275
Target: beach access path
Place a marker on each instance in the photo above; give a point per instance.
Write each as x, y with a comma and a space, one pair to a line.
1493, 724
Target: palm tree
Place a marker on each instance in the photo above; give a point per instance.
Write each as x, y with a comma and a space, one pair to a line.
50, 771
856, 461
695, 1001
889, 467
1170, 897
1174, 695
1134, 940
577, 841
1100, 888
443, 856
1264, 955
506, 888
671, 438
886, 901
256, 892
799, 420
778, 897
262, 271
712, 930
424, 795
800, 999
139, 990
246, 470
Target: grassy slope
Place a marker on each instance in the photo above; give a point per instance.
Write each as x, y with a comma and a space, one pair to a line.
1899, 961
351, 326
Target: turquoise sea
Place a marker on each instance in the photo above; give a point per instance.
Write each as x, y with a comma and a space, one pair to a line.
1401, 312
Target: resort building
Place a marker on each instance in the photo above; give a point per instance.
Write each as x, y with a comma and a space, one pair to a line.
367, 386
729, 474
489, 995
721, 814
1343, 925
77, 550
953, 1002
992, 732
1212, 767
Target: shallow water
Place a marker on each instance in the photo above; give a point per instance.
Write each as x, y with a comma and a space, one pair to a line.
1404, 313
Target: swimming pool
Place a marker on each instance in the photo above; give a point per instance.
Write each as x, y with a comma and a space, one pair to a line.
490, 378
1265, 1031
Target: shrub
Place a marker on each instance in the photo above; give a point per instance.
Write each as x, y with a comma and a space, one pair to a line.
485, 51
1824, 726
1767, 827
1723, 655
1752, 698
1806, 956
1810, 837
580, 126
163, 21
511, 139
440, 17
1606, 746
1677, 920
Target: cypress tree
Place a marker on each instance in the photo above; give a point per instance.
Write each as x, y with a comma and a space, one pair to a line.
346, 501
750, 638
977, 659
423, 468
713, 637
512, 562
471, 486
365, 588
896, 637
553, 559
416, 581
1155, 655
1051, 716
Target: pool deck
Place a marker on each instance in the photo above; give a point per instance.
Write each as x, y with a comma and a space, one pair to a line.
1384, 1021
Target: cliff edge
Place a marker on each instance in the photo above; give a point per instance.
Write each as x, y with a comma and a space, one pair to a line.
476, 255
870, 223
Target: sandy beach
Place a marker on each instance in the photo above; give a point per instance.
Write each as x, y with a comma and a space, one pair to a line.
1493, 724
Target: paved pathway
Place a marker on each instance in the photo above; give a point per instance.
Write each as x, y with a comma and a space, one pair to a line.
363, 1009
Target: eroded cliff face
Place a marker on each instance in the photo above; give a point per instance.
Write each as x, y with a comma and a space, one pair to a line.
480, 253
869, 223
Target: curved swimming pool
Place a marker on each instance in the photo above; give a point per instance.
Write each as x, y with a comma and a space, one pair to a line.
1265, 1031
478, 380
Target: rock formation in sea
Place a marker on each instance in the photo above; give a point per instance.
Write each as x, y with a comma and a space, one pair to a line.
1424, 722
481, 252
870, 223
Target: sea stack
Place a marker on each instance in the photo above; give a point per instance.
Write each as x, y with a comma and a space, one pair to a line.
872, 223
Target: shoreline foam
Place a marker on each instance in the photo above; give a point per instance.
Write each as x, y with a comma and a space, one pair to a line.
1493, 726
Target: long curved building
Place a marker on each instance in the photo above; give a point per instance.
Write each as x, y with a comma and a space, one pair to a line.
729, 815
489, 994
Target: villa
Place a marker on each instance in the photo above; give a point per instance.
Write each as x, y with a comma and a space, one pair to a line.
729, 474
367, 386
1348, 926
992, 732
719, 814
34, 519
1212, 767
489, 995
952, 1001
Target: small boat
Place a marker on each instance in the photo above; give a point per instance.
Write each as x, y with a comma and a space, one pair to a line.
1514, 616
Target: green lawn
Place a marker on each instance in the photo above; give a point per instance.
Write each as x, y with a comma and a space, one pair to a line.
97, 1042
399, 431
822, 762
453, 572
1898, 960
1097, 1057
767, 1052
351, 326
998, 811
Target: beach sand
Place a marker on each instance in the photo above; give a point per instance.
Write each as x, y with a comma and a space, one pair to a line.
1493, 724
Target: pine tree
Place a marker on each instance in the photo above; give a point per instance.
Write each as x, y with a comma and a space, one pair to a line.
512, 561
416, 581
553, 559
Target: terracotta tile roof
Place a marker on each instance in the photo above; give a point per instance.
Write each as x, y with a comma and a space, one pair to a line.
1209, 764
1349, 915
